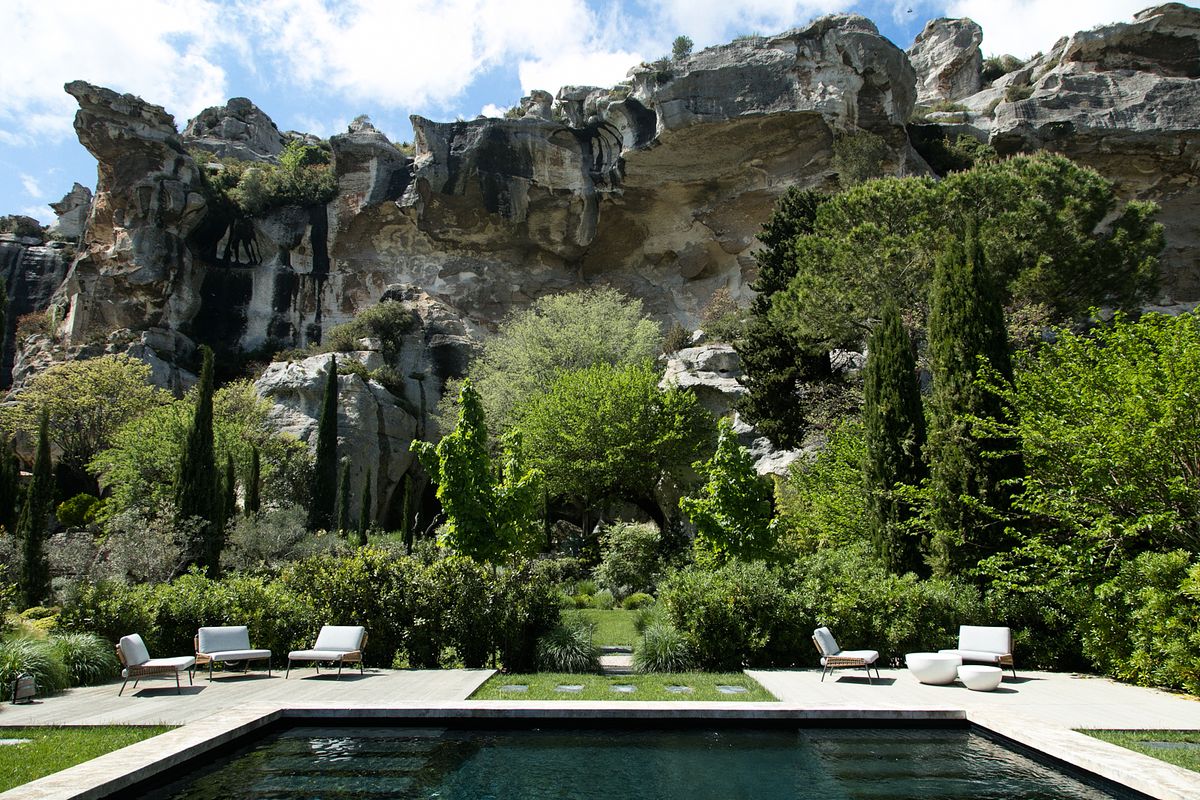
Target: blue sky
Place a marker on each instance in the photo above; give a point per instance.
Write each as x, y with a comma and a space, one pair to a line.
314, 65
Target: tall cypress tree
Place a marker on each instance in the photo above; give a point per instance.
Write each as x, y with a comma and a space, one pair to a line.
343, 500
196, 485
324, 487
406, 521
364, 510
228, 494
10, 486
31, 526
969, 490
894, 435
252, 483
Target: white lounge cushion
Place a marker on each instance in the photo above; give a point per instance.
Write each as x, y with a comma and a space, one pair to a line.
977, 655
228, 637
239, 655
826, 643
342, 638
134, 650
316, 655
867, 656
984, 638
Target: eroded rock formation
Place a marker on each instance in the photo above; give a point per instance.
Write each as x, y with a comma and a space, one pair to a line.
947, 60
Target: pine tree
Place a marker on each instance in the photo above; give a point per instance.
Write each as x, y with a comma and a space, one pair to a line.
252, 483
31, 526
894, 435
324, 487
364, 510
343, 499
970, 490
196, 485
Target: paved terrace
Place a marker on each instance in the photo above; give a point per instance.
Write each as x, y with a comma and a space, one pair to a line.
1038, 710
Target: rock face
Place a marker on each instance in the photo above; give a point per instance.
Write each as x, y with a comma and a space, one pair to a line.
947, 60
239, 129
32, 270
72, 213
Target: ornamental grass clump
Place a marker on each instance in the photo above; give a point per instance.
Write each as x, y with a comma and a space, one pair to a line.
89, 660
37, 657
569, 648
663, 649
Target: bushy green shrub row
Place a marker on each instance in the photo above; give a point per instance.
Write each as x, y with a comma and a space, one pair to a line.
427, 613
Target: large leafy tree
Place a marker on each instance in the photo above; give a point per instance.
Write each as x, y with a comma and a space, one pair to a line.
971, 472
734, 510
491, 512
609, 432
32, 524
894, 434
325, 471
196, 483
87, 402
556, 334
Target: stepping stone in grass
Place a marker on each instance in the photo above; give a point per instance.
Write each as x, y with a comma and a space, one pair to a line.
572, 688
680, 689
14, 741
514, 687
726, 689
624, 688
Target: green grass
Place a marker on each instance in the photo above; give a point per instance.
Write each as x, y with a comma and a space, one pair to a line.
54, 749
613, 627
599, 687
1188, 758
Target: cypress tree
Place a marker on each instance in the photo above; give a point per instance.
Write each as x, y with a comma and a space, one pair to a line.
364, 510
894, 435
324, 487
406, 521
31, 525
10, 486
343, 515
970, 491
252, 500
229, 493
196, 485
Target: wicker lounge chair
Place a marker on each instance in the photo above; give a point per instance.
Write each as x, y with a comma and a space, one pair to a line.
136, 663
343, 644
985, 644
834, 657
227, 643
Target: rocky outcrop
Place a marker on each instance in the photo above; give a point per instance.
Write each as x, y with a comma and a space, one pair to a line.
72, 211
238, 130
32, 270
162, 350
947, 59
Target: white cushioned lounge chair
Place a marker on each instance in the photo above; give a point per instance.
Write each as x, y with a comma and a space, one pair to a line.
342, 644
227, 643
834, 657
136, 663
986, 644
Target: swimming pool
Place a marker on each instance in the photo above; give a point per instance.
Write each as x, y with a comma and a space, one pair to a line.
694, 763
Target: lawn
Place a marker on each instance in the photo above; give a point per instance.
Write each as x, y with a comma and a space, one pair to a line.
1140, 742
53, 749
543, 686
613, 627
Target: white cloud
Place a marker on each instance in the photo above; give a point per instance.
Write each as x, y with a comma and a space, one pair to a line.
1023, 27
717, 21
595, 68
43, 213
492, 110
317, 126
31, 186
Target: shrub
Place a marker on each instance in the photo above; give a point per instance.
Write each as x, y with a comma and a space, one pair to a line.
636, 601
858, 157
37, 657
675, 339
997, 66
662, 649
388, 321
569, 648
76, 511
272, 538
527, 611
1014, 93
33, 323
631, 558
88, 658
604, 600
648, 616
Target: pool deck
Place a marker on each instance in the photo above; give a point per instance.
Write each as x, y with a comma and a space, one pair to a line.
1038, 710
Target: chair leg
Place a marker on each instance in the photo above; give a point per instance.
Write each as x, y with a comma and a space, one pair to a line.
191, 675
123, 686
824, 670
339, 677
178, 688
289, 670
867, 667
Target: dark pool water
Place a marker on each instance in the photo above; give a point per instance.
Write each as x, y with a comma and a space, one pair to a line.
551, 764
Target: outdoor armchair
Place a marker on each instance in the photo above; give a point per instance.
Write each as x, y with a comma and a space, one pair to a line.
136, 663
981, 643
343, 644
227, 643
834, 657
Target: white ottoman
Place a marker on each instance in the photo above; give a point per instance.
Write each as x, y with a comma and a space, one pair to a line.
933, 668
980, 679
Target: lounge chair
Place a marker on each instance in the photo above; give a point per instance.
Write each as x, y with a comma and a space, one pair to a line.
343, 644
989, 645
227, 643
834, 657
136, 663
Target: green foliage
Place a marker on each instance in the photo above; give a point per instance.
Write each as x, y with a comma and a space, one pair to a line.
823, 502
675, 339
253, 483
1145, 624
557, 334
491, 512
921, 113
31, 525
721, 319
37, 657
343, 499
964, 152
88, 401
997, 66
77, 511
608, 431
662, 649
243, 189
569, 648
681, 47
10, 484
893, 435
324, 475
387, 322
52, 749
273, 537
734, 510
196, 482
858, 157
1016, 92
970, 475
631, 558
365, 516
88, 658
637, 601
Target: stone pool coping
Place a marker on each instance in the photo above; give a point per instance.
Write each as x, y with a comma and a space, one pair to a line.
111, 773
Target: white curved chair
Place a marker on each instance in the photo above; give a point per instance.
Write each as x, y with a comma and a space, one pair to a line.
834, 657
